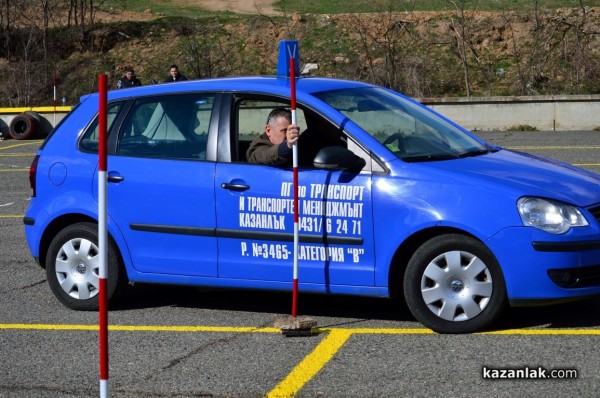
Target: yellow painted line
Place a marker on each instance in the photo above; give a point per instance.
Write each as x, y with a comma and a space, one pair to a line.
36, 142
522, 148
193, 329
311, 364
12, 215
8, 170
141, 328
249, 329
34, 326
546, 332
389, 331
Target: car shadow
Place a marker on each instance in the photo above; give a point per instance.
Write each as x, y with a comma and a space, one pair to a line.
142, 296
578, 314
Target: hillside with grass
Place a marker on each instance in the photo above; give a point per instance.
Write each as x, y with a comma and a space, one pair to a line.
438, 48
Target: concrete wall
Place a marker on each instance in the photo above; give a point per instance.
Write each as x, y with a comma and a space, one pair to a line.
578, 112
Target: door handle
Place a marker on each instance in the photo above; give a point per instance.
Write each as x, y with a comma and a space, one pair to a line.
235, 187
114, 178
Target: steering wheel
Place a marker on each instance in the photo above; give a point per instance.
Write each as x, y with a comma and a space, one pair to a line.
399, 138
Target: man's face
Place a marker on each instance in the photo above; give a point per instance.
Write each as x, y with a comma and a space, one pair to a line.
129, 75
277, 129
174, 72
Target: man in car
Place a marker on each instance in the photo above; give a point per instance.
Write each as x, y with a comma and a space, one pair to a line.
274, 146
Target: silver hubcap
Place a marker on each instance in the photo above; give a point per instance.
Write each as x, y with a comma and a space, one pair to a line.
77, 267
456, 286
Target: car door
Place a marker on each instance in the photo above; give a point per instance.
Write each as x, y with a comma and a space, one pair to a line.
255, 219
161, 187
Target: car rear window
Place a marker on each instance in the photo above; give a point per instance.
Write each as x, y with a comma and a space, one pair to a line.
169, 127
89, 140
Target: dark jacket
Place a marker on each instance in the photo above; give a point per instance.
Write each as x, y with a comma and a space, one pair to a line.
262, 150
179, 78
126, 83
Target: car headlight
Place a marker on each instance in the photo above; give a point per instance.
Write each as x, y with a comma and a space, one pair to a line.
550, 216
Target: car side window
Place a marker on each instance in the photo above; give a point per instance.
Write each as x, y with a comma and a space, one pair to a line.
168, 127
251, 117
89, 140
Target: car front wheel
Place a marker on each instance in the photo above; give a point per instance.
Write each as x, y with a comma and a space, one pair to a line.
454, 284
73, 265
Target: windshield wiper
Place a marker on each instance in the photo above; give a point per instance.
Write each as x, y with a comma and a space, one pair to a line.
428, 158
476, 152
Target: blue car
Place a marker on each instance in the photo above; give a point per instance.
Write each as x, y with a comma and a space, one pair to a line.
394, 200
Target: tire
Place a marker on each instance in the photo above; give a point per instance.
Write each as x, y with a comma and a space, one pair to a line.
35, 116
454, 284
23, 126
73, 264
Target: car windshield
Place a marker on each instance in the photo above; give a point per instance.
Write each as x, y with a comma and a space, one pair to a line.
411, 132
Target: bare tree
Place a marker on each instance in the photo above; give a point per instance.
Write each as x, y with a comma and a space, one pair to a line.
578, 53
81, 15
516, 53
461, 31
5, 18
206, 56
24, 78
387, 51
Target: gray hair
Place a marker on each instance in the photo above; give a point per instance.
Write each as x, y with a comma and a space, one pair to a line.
277, 113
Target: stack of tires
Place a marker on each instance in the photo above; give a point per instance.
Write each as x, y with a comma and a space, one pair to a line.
25, 126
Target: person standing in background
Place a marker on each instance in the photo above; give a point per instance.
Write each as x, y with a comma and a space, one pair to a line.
174, 75
128, 79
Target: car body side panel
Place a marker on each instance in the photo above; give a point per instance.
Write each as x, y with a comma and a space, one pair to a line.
165, 209
336, 245
419, 196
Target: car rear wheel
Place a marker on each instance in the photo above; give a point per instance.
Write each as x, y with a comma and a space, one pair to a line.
73, 265
454, 284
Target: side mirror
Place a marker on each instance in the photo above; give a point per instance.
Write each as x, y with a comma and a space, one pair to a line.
338, 158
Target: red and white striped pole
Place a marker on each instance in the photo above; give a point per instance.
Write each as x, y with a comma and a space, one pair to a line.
295, 169
102, 236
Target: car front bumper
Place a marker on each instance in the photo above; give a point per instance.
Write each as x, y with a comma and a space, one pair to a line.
539, 267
